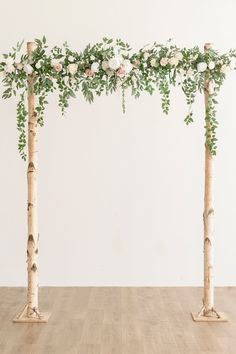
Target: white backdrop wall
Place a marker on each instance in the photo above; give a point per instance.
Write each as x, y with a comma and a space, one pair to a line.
120, 196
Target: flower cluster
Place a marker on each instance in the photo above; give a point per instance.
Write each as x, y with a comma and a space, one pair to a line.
110, 65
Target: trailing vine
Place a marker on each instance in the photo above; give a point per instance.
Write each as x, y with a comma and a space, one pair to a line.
108, 66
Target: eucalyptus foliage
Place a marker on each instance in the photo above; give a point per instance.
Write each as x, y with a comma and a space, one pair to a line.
108, 66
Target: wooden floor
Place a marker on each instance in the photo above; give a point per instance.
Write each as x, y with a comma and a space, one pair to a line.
118, 321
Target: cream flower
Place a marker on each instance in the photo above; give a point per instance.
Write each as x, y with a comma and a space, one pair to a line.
178, 55
225, 69
114, 63
9, 68
105, 65
136, 63
28, 69
127, 66
9, 61
164, 61
201, 67
38, 65
71, 58
173, 61
72, 68
109, 72
19, 66
153, 63
146, 55
211, 65
95, 67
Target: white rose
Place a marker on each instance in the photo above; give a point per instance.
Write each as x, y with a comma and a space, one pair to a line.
164, 61
178, 55
211, 65
127, 65
225, 69
71, 58
72, 68
9, 61
114, 63
9, 68
153, 63
105, 65
173, 61
211, 87
146, 55
201, 67
28, 69
95, 67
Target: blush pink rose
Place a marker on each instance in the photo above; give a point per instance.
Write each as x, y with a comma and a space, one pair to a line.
89, 73
121, 72
58, 67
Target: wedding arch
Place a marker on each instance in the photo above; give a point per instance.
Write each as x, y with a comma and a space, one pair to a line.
102, 68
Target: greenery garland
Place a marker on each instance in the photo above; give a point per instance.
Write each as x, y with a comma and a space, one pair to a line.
108, 66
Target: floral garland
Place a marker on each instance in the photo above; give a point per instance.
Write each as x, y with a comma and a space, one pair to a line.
109, 65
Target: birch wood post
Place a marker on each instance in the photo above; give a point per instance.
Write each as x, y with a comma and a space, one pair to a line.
31, 311
208, 312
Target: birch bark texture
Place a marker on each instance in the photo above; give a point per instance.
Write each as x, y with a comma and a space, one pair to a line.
31, 312
208, 312
32, 179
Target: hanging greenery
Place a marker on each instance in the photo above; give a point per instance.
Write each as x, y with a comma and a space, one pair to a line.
108, 66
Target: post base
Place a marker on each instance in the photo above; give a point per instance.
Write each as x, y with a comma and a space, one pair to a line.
23, 318
215, 317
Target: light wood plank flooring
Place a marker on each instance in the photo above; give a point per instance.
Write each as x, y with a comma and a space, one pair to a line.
109, 320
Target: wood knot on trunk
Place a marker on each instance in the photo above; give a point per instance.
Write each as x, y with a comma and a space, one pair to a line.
207, 240
34, 267
31, 167
210, 211
32, 132
29, 205
31, 238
